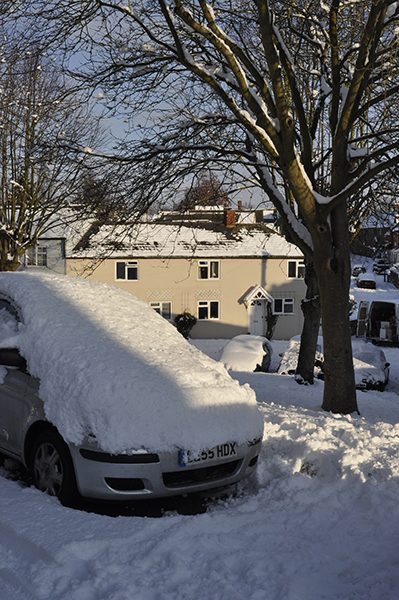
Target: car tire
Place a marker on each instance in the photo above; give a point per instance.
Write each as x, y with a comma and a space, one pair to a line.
52, 469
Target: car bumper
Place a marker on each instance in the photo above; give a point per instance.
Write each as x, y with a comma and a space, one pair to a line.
139, 476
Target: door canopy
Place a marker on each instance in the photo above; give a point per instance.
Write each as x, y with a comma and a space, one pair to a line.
254, 295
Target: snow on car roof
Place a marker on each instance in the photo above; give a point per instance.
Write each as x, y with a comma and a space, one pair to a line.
244, 352
113, 369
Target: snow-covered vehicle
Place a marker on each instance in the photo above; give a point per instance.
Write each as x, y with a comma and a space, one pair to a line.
366, 280
289, 358
247, 353
358, 269
369, 363
371, 366
102, 397
381, 265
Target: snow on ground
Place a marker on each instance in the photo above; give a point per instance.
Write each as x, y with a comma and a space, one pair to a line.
320, 521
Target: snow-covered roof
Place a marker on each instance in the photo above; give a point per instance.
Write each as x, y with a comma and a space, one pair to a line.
67, 225
112, 369
146, 240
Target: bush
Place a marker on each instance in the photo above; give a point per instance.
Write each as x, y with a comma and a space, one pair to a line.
184, 323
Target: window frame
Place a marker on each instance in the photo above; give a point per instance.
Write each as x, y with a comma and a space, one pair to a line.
34, 253
285, 303
299, 269
207, 304
207, 263
153, 304
132, 264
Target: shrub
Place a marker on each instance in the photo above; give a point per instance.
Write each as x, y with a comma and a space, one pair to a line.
184, 323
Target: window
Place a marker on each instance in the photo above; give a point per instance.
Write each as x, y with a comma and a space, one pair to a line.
208, 309
37, 256
9, 308
296, 269
283, 306
127, 270
208, 269
163, 308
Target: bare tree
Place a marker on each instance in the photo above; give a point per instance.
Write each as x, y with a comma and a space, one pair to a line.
301, 93
39, 172
207, 191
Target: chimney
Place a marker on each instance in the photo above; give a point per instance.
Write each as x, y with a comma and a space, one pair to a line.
230, 218
239, 205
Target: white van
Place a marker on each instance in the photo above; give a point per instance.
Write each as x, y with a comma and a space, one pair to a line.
379, 321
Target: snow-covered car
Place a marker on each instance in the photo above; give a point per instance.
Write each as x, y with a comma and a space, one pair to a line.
371, 366
247, 353
357, 269
289, 358
101, 397
366, 280
369, 363
381, 265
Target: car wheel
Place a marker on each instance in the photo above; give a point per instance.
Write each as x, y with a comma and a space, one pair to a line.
52, 469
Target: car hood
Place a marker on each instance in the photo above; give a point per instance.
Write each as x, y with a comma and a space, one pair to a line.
114, 371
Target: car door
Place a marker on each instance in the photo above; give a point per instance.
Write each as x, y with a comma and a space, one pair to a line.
362, 318
15, 407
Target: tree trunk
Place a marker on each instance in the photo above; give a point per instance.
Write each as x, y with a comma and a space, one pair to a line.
311, 311
8, 260
333, 275
9, 265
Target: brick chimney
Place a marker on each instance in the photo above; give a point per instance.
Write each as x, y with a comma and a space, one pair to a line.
230, 218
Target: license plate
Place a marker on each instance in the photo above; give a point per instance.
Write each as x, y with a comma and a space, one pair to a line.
223, 451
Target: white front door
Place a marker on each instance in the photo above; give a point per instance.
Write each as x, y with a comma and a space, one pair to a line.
256, 317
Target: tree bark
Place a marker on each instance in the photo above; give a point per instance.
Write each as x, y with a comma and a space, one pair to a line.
8, 259
333, 275
311, 311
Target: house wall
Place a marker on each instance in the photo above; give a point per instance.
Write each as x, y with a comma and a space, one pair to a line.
176, 280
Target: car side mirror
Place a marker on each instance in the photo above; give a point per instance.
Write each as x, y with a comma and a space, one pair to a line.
10, 357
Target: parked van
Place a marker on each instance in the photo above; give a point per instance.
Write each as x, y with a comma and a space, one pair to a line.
379, 321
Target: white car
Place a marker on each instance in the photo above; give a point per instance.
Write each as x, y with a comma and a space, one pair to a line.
358, 269
247, 353
366, 280
289, 358
101, 397
371, 366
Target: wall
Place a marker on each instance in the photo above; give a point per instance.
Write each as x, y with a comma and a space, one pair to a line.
176, 280
55, 255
